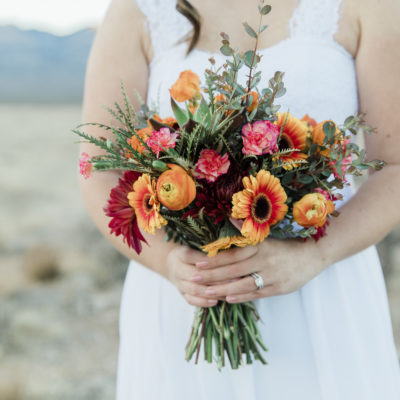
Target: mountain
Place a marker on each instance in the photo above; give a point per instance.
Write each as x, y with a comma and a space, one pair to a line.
40, 67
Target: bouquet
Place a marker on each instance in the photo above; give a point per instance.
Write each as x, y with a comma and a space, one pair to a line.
227, 169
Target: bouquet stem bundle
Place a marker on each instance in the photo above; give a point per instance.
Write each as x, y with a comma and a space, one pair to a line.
226, 328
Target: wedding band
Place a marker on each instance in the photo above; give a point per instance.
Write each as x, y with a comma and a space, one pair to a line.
258, 280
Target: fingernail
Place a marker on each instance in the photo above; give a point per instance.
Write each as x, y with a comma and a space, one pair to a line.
212, 302
196, 278
231, 299
202, 264
210, 292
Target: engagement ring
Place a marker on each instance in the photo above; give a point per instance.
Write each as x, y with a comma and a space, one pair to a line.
258, 280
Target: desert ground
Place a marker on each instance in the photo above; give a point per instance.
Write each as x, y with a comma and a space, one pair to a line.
60, 281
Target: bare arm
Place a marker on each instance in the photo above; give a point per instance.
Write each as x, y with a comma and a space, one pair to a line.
117, 54
373, 212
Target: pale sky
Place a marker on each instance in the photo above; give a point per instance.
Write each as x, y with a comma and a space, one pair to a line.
56, 16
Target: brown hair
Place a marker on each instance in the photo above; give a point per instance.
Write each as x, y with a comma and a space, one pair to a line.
186, 9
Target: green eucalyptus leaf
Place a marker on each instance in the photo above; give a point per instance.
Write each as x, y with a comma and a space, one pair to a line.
329, 129
251, 32
265, 10
226, 50
248, 58
262, 28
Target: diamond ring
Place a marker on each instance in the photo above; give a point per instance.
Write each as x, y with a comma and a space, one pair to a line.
258, 280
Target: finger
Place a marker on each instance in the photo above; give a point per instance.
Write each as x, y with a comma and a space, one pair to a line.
225, 257
266, 291
225, 273
237, 223
197, 290
199, 301
241, 286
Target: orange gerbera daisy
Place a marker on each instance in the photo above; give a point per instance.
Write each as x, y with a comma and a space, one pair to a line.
225, 243
144, 200
261, 204
293, 136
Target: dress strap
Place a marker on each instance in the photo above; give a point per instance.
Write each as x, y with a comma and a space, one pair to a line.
317, 18
167, 26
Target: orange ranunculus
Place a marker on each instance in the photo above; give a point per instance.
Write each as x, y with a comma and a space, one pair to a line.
254, 102
312, 210
318, 136
186, 87
175, 188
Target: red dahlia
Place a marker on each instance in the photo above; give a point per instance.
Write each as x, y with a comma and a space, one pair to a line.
123, 219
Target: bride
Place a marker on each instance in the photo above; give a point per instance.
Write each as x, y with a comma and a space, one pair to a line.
324, 306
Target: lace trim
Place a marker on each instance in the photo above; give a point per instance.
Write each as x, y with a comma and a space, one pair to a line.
167, 26
316, 18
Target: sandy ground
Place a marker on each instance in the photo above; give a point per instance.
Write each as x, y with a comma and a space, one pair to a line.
60, 281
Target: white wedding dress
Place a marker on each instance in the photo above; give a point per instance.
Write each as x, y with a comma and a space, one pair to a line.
330, 340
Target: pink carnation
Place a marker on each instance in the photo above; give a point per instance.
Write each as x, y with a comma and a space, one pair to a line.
261, 137
161, 140
85, 167
211, 165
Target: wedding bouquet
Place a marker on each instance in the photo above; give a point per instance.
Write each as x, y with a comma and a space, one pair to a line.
225, 159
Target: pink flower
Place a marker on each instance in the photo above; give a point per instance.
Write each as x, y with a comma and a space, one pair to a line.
85, 167
161, 140
261, 137
324, 193
211, 165
346, 162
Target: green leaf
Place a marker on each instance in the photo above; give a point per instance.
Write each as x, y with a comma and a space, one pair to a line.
262, 28
329, 129
180, 115
226, 50
250, 30
203, 114
248, 58
265, 10
304, 178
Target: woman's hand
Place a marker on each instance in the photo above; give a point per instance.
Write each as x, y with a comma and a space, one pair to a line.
183, 264
285, 266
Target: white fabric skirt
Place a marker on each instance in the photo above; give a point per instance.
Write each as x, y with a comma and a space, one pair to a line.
330, 340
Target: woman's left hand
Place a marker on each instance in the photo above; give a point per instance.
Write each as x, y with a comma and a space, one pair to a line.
284, 265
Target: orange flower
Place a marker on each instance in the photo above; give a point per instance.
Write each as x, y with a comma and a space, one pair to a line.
310, 121
254, 102
219, 98
175, 188
166, 121
186, 87
318, 136
312, 210
144, 134
143, 199
225, 243
261, 204
293, 136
